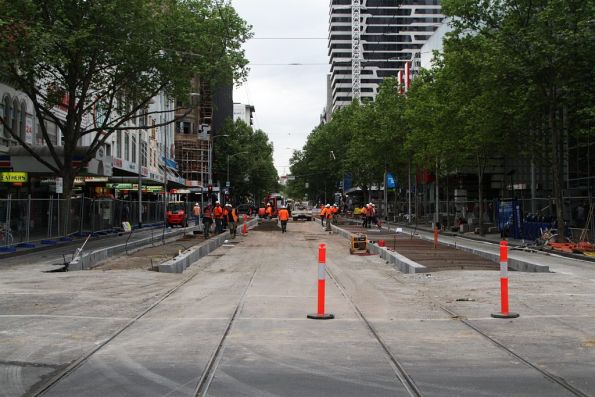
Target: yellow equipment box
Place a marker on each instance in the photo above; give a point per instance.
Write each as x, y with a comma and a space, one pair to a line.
359, 243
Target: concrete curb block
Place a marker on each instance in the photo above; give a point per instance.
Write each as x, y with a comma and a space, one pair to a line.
89, 259
401, 263
182, 262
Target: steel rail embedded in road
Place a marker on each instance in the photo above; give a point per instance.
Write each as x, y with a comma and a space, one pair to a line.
397, 366
548, 375
54, 380
207, 376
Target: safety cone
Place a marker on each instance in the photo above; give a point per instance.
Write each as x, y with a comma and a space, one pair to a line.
321, 315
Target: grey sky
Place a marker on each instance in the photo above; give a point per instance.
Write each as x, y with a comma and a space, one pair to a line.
288, 99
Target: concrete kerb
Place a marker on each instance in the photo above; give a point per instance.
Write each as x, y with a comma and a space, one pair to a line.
183, 261
401, 263
88, 260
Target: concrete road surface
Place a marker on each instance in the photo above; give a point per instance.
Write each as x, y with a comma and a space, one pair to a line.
234, 324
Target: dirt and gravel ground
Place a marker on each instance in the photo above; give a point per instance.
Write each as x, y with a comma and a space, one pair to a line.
149, 258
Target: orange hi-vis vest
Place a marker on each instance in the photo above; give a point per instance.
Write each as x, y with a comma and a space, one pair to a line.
283, 214
364, 211
269, 210
218, 212
323, 212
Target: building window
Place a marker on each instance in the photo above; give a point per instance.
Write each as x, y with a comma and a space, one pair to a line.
143, 153
23, 123
134, 148
7, 114
51, 130
126, 147
16, 116
119, 144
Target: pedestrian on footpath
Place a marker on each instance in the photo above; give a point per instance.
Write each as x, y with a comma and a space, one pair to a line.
283, 217
218, 214
231, 218
207, 221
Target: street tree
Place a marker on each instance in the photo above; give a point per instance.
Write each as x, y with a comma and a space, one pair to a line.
545, 49
252, 172
105, 60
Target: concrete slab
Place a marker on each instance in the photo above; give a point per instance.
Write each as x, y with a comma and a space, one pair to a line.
48, 320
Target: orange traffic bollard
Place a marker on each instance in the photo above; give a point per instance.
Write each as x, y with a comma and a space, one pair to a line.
435, 237
245, 228
504, 313
321, 315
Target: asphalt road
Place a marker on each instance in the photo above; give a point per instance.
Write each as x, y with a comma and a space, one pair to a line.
234, 324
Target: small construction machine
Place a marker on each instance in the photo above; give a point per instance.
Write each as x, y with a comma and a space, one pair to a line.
359, 244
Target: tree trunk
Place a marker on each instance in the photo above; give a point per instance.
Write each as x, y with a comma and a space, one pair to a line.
480, 196
557, 167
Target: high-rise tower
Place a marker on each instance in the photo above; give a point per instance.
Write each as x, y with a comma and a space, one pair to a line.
390, 33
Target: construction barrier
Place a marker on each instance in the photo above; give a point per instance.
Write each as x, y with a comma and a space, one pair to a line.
504, 313
321, 315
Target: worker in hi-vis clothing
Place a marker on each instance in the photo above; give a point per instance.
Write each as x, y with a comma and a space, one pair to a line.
283, 217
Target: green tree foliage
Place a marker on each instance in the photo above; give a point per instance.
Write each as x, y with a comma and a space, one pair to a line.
252, 173
110, 57
543, 52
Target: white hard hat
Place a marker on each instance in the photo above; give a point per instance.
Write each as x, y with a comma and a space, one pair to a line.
195, 203
216, 202
327, 206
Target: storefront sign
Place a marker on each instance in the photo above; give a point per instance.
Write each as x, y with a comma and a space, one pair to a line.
119, 186
81, 180
12, 177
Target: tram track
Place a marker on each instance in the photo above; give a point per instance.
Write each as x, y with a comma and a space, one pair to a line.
397, 366
208, 374
501, 346
48, 385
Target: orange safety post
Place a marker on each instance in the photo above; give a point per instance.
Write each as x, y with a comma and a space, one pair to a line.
504, 313
245, 228
321, 315
435, 237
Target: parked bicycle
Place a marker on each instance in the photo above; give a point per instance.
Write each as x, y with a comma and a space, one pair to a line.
6, 237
